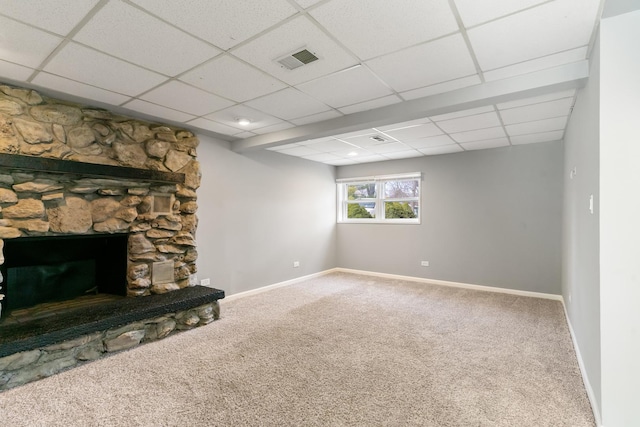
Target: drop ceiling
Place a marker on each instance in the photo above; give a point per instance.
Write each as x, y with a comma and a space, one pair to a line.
393, 80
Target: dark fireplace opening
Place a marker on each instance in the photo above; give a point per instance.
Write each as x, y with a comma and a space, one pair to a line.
42, 270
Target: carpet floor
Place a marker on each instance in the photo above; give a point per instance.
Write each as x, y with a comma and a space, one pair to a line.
337, 350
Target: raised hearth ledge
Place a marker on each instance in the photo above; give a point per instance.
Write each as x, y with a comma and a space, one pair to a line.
43, 164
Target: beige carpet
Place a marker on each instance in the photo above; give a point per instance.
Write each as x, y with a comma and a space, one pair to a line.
339, 350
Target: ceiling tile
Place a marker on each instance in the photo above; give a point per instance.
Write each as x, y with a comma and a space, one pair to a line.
314, 118
229, 116
324, 157
230, 78
351, 86
212, 126
24, 45
181, 96
404, 154
443, 149
59, 16
292, 37
463, 113
402, 125
329, 145
489, 143
288, 104
442, 87
369, 159
224, 23
537, 99
415, 132
14, 71
81, 90
353, 153
568, 24
157, 111
342, 162
365, 141
433, 141
364, 25
85, 65
547, 125
370, 105
537, 64
388, 148
537, 137
463, 124
474, 12
434, 62
273, 128
478, 135
133, 35
299, 151
356, 134
529, 113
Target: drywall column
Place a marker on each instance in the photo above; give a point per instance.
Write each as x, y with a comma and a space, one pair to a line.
620, 218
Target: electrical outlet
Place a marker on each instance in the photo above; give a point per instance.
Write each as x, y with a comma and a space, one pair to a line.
205, 282
296, 264
424, 263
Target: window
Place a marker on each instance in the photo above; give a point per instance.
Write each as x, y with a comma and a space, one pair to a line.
380, 199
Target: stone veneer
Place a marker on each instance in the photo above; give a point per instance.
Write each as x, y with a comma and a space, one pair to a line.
43, 203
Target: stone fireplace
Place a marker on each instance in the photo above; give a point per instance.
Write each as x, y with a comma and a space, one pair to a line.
77, 185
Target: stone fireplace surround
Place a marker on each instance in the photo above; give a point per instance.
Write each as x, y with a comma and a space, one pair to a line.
67, 169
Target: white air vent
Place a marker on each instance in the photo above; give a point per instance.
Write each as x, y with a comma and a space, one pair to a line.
378, 139
297, 59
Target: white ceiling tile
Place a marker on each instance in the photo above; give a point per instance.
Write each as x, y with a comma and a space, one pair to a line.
374, 27
404, 154
442, 87
133, 35
24, 45
443, 149
463, 124
273, 128
415, 132
230, 78
329, 145
288, 104
463, 113
181, 96
313, 118
86, 65
59, 16
529, 113
433, 141
292, 37
355, 134
474, 12
212, 126
403, 125
299, 151
365, 141
537, 137
224, 23
537, 64
353, 152
369, 159
478, 135
370, 105
537, 99
351, 86
245, 134
324, 157
229, 116
434, 62
568, 24
157, 111
342, 162
388, 148
82, 90
489, 143
14, 71
547, 125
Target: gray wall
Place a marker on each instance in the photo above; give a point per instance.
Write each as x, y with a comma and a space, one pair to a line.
581, 242
258, 213
489, 217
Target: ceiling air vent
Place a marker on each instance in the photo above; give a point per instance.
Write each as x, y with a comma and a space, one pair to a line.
297, 60
378, 138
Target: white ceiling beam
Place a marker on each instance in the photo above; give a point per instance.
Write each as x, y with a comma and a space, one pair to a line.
569, 76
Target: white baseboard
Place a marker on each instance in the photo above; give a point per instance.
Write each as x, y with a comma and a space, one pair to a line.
454, 284
583, 371
276, 285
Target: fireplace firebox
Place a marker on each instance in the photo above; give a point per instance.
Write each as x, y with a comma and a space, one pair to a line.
48, 269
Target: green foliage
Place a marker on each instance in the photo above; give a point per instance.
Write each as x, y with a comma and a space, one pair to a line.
398, 210
357, 211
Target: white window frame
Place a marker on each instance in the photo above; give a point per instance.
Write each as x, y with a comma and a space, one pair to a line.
379, 200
